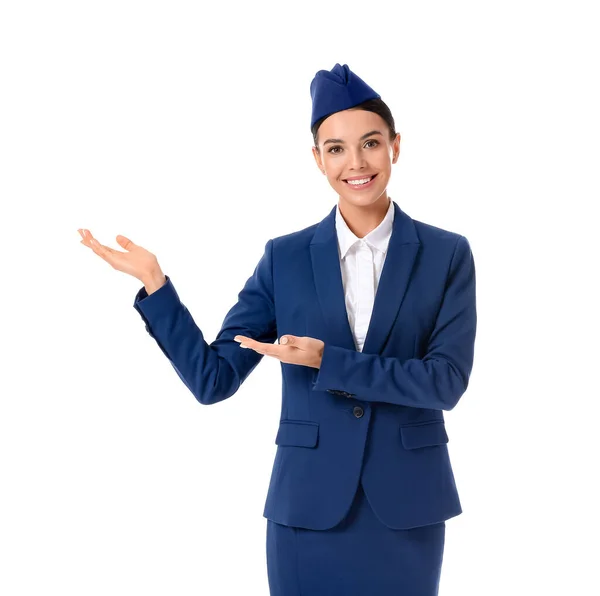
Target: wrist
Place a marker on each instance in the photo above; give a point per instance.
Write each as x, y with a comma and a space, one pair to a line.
153, 281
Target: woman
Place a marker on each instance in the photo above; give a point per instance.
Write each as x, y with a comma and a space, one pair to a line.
376, 318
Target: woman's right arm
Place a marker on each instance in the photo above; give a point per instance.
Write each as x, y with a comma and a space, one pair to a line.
212, 372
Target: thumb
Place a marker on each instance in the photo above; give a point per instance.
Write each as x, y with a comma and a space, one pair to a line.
125, 242
289, 340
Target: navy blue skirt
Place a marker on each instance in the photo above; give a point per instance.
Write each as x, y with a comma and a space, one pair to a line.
360, 556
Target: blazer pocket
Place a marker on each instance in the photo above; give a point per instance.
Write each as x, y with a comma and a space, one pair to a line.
297, 433
426, 434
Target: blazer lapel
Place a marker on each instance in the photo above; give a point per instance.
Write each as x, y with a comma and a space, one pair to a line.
327, 274
397, 268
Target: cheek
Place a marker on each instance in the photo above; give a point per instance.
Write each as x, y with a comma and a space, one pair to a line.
385, 168
333, 171
334, 180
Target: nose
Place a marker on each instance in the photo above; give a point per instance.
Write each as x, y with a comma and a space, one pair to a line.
356, 160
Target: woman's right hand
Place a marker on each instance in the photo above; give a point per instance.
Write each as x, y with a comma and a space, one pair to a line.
137, 261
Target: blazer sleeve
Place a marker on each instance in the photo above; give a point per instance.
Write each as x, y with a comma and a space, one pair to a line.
212, 372
436, 381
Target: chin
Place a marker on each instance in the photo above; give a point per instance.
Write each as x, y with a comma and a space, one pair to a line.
360, 198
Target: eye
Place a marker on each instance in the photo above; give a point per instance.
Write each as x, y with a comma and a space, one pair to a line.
331, 150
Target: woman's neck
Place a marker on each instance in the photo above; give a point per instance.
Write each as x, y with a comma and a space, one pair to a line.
362, 220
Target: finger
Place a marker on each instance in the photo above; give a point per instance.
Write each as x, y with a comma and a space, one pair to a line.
88, 239
246, 342
85, 237
95, 245
112, 257
266, 351
285, 354
107, 249
98, 248
243, 339
261, 348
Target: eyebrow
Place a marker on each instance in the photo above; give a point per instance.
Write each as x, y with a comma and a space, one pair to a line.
368, 134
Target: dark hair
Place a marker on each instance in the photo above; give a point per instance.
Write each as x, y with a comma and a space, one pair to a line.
371, 105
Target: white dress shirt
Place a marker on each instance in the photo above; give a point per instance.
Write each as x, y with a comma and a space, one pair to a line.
361, 263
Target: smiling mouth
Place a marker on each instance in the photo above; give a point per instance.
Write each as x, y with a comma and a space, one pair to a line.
361, 185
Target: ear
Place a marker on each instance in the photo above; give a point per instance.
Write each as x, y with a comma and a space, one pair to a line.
317, 157
396, 148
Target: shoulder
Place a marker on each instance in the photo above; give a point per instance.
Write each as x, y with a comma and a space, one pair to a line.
435, 238
431, 233
299, 239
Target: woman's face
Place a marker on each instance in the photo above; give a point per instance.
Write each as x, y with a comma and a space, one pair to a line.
349, 147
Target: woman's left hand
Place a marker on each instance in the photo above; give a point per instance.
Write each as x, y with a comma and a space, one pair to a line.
306, 351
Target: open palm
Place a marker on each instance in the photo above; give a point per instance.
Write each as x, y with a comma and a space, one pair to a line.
136, 261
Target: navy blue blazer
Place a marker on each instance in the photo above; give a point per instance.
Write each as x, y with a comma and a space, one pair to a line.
375, 415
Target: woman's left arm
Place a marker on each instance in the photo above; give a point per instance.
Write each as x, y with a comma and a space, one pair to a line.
436, 381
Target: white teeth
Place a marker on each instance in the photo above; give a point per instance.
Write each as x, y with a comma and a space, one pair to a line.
358, 182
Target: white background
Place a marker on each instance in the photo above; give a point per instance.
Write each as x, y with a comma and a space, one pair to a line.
185, 126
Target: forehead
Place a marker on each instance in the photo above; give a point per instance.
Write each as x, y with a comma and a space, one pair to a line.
350, 124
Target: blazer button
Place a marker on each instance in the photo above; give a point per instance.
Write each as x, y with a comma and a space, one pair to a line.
358, 411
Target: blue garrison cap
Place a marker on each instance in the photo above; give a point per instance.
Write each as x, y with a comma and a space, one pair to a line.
336, 90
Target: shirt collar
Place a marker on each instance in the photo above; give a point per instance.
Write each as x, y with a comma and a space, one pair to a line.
379, 238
